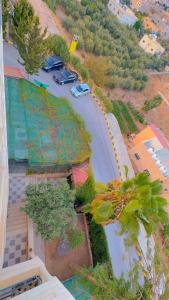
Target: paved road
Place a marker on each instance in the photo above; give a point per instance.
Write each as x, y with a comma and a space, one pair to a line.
103, 161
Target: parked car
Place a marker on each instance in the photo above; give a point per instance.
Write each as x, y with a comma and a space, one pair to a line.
80, 90
65, 76
53, 63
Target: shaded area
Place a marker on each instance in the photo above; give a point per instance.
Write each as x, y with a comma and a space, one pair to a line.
43, 129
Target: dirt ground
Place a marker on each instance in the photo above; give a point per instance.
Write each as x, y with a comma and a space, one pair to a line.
160, 115
59, 265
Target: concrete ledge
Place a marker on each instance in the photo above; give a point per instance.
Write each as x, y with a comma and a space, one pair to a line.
23, 271
51, 290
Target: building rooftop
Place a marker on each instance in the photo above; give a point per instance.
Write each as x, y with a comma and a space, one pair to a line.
157, 146
149, 24
149, 133
150, 45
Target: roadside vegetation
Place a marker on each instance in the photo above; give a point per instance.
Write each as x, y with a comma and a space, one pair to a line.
84, 196
124, 118
117, 202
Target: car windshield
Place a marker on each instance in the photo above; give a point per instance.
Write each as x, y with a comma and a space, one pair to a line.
66, 73
79, 88
50, 60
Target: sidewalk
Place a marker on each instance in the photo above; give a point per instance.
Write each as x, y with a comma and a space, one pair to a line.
123, 156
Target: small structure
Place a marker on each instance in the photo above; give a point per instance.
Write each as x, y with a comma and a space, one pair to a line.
151, 46
149, 24
123, 13
14, 72
80, 174
150, 153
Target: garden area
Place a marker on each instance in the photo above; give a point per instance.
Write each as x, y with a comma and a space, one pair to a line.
43, 129
124, 117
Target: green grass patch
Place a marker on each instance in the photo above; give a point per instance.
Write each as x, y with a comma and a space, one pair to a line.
120, 119
125, 113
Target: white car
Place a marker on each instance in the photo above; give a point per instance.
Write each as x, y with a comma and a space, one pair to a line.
80, 90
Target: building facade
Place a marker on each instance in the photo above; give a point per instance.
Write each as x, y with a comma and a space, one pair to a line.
29, 279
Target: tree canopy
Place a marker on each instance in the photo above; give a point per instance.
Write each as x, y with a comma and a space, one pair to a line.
134, 201
28, 36
57, 45
52, 209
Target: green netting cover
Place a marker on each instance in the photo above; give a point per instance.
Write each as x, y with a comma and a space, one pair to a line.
42, 128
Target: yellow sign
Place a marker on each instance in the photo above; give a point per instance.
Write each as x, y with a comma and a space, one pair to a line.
73, 44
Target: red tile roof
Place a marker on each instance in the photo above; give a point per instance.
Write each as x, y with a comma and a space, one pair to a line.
13, 72
80, 173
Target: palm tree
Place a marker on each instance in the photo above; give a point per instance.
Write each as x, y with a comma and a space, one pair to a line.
134, 201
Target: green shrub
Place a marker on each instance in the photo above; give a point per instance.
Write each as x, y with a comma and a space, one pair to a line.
152, 103
136, 113
52, 4
57, 45
98, 242
86, 193
75, 61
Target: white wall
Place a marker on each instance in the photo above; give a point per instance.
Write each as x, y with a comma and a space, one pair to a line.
3, 152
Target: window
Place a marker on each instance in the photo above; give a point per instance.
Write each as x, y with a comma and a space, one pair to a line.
137, 156
147, 172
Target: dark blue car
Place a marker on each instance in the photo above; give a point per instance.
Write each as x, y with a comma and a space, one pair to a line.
53, 63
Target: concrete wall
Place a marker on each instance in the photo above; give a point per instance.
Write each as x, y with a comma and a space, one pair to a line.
3, 152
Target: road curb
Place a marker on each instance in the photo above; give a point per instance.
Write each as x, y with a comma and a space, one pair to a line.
103, 110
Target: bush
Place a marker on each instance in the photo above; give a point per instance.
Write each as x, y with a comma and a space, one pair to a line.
75, 61
86, 193
57, 45
136, 113
152, 103
52, 4
98, 242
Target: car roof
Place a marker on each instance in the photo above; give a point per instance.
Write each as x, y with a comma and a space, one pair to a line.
56, 57
84, 86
